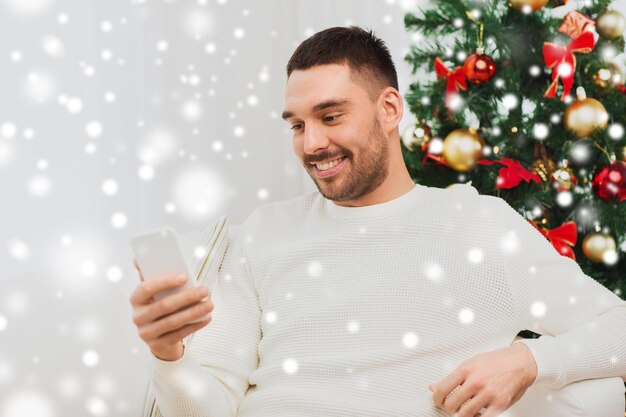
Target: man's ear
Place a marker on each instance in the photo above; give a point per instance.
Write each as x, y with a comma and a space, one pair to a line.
391, 107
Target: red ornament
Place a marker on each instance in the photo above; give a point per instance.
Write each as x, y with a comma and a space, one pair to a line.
610, 181
479, 68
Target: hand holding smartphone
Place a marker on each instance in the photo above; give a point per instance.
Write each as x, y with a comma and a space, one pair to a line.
158, 254
165, 310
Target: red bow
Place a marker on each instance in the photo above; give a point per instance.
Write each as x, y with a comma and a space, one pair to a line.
456, 80
562, 237
562, 57
512, 174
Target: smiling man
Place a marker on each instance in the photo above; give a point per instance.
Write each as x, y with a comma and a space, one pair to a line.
375, 296
341, 129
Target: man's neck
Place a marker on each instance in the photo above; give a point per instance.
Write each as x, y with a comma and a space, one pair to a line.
380, 195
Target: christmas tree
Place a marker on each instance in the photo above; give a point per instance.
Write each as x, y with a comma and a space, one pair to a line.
525, 100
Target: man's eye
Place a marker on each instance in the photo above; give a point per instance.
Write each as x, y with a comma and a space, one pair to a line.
295, 127
330, 118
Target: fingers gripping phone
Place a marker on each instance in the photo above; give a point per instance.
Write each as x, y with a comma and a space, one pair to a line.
158, 253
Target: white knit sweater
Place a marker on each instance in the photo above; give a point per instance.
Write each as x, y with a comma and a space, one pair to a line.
325, 310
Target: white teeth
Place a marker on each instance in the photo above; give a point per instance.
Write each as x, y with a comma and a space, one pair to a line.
328, 165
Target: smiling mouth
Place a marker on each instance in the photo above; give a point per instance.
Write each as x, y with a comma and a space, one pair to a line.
329, 169
324, 166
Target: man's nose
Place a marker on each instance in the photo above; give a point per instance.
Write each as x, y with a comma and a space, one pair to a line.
314, 139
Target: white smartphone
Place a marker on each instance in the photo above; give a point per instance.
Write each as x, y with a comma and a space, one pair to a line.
158, 253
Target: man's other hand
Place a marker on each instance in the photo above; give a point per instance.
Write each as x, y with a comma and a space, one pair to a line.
492, 380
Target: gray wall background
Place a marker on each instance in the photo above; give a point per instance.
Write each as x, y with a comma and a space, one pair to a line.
117, 117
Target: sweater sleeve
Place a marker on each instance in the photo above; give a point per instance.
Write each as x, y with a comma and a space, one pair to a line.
582, 323
211, 378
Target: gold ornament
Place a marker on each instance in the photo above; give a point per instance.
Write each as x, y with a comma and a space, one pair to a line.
543, 169
585, 115
596, 245
461, 149
415, 136
610, 24
529, 5
564, 178
610, 74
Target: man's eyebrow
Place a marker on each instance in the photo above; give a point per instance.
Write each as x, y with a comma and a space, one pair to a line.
320, 106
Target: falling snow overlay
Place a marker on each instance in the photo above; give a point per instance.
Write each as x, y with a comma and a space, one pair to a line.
118, 117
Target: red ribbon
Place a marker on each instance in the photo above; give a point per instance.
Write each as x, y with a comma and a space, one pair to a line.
435, 157
456, 80
512, 174
562, 237
556, 56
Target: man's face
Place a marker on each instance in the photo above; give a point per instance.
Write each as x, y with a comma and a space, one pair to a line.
333, 117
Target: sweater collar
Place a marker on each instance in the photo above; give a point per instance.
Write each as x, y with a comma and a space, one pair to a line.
406, 200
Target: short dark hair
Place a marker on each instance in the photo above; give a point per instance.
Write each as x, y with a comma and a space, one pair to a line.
366, 55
